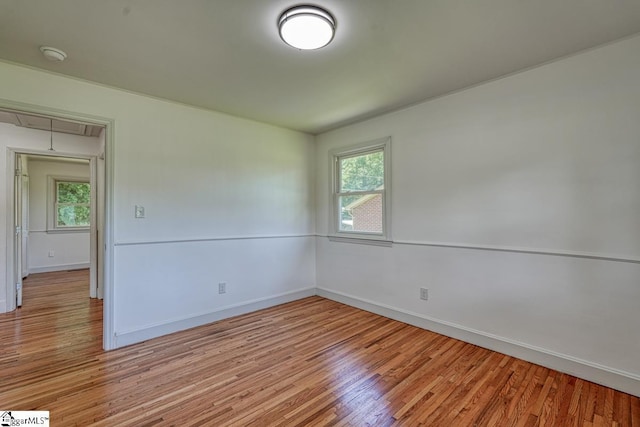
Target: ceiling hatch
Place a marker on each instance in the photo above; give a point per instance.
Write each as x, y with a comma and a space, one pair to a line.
45, 123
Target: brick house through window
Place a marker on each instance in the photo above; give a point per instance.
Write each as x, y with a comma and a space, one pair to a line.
366, 213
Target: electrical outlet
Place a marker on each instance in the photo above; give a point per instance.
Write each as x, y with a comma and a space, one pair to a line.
424, 293
222, 287
51, 253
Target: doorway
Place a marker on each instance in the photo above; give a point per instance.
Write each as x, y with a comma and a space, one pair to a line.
56, 203
41, 138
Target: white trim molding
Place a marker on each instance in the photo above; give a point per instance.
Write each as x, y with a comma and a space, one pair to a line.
63, 267
212, 239
125, 338
533, 251
620, 380
385, 243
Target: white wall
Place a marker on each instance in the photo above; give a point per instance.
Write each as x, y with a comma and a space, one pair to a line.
70, 249
537, 174
201, 176
17, 139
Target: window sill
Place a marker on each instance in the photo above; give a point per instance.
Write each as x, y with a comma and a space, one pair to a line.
361, 241
68, 230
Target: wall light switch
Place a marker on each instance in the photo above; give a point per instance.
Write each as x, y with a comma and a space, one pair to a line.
139, 211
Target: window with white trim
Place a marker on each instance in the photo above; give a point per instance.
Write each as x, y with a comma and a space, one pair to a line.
70, 204
361, 191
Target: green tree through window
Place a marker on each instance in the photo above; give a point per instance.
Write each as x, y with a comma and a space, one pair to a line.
73, 204
361, 173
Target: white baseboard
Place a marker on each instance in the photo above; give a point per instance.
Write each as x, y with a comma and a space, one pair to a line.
3, 306
604, 375
64, 267
122, 339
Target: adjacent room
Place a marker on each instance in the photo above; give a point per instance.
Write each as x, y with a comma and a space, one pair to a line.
424, 214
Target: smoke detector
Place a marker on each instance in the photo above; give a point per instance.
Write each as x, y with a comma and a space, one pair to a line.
53, 54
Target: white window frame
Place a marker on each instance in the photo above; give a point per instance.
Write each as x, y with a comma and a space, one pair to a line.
52, 204
350, 236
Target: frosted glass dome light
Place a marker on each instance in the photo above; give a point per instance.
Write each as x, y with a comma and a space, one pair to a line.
306, 27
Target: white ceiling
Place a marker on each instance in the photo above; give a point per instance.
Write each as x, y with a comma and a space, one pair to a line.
226, 55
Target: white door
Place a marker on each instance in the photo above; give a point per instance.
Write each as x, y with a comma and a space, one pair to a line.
17, 215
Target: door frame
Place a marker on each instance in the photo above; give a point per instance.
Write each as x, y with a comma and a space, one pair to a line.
18, 229
108, 322
25, 222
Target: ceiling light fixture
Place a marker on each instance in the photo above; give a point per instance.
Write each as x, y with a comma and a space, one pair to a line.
53, 54
306, 27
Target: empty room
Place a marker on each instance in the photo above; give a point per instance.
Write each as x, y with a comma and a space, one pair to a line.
350, 213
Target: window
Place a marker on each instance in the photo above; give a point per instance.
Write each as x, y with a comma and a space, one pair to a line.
71, 204
361, 191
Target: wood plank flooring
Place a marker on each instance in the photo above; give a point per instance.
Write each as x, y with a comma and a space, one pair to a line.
313, 362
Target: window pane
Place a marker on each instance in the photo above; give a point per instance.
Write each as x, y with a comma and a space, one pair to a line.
73, 192
73, 216
361, 213
362, 173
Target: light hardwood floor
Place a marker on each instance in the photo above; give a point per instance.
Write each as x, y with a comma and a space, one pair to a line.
310, 362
